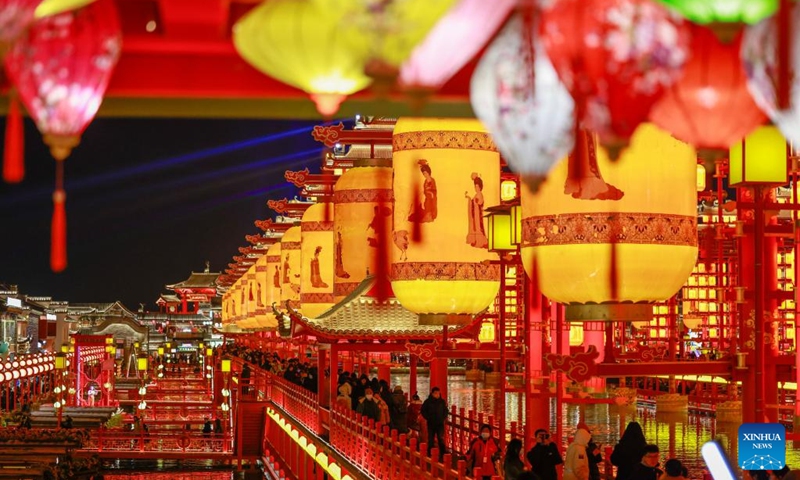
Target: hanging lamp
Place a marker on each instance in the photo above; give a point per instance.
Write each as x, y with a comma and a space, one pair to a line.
61, 70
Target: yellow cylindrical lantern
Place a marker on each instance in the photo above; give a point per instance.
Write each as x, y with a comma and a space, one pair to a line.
290, 267
274, 263
225, 314
446, 172
362, 204
316, 270
638, 213
264, 316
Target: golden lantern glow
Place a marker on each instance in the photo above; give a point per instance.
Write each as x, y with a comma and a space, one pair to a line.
317, 251
225, 365
141, 362
759, 159
639, 211
209, 352
54, 7
487, 333
160, 351
701, 178
109, 340
290, 267
60, 361
110, 349
446, 172
362, 204
264, 294
508, 190
274, 264
64, 348
169, 345
575, 334
299, 43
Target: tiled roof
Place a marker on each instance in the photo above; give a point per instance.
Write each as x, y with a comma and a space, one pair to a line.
362, 316
169, 298
198, 280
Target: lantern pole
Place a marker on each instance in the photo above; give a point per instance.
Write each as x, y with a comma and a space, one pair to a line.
758, 300
502, 338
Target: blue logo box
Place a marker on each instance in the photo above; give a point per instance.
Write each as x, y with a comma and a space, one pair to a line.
762, 446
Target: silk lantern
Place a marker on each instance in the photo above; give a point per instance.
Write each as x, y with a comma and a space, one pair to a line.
61, 70
225, 316
384, 33
517, 94
760, 60
264, 315
606, 256
362, 205
453, 41
446, 172
616, 57
317, 252
274, 263
299, 43
710, 107
290, 267
250, 293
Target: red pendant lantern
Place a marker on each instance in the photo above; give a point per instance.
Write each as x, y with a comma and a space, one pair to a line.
61, 70
616, 57
710, 107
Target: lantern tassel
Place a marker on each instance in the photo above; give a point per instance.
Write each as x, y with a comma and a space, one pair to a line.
383, 288
14, 152
614, 272
58, 226
417, 211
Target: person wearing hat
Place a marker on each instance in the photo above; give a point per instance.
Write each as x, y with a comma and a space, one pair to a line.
369, 408
594, 454
398, 410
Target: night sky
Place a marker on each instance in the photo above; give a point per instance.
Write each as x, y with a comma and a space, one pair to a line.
148, 201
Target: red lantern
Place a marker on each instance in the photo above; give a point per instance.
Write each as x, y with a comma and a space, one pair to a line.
616, 57
710, 107
61, 70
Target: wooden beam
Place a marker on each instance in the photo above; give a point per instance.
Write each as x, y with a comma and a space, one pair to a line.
264, 109
647, 369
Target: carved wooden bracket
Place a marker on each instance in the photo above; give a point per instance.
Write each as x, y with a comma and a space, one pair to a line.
578, 367
424, 351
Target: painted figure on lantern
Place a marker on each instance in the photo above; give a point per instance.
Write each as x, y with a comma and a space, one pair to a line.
259, 299
276, 279
316, 278
380, 213
340, 271
400, 239
427, 211
286, 269
476, 234
584, 180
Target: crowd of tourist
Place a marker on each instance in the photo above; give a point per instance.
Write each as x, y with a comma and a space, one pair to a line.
375, 399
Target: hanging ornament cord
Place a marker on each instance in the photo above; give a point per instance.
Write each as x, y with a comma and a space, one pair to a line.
14, 148
58, 226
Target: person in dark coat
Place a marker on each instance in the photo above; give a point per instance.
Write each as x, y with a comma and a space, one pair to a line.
647, 468
512, 464
398, 410
358, 390
434, 411
544, 456
628, 452
369, 408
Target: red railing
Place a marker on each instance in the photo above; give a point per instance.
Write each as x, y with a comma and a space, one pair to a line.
297, 402
174, 410
464, 425
161, 441
383, 453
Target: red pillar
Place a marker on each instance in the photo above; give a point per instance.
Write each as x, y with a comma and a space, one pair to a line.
438, 375
184, 306
771, 351
594, 335
334, 378
747, 254
537, 404
412, 375
322, 364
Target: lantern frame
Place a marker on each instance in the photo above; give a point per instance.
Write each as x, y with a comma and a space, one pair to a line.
761, 158
60, 361
141, 362
504, 230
